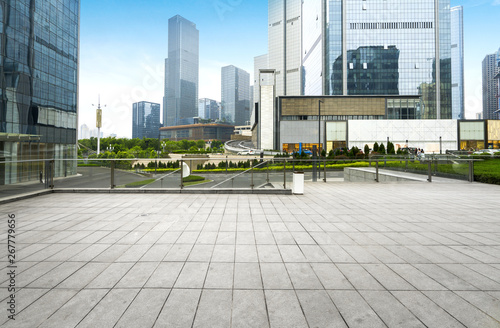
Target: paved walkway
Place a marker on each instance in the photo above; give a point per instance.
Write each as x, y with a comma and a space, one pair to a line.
342, 255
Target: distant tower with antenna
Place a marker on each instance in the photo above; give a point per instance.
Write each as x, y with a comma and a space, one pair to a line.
98, 123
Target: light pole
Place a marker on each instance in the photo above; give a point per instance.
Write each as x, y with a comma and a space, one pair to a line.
319, 124
98, 124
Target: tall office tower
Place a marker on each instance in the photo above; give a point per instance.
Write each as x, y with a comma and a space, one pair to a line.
284, 42
457, 63
490, 87
235, 95
84, 132
498, 80
208, 109
145, 120
352, 47
180, 102
39, 56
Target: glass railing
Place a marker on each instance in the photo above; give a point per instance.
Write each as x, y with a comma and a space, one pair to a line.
226, 172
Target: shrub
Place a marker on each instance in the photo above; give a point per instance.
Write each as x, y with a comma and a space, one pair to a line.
193, 178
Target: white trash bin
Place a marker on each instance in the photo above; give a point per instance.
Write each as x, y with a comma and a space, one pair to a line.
298, 183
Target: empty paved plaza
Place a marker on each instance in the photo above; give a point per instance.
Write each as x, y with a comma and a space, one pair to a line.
342, 255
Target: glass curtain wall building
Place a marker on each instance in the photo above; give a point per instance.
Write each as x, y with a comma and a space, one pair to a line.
353, 47
235, 95
490, 87
145, 120
285, 38
180, 102
39, 54
208, 109
457, 63
391, 47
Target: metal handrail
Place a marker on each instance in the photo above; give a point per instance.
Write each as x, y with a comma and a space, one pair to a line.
237, 175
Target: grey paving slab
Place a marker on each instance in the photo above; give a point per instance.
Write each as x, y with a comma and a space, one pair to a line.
56, 275
246, 253
180, 308
220, 275
330, 276
275, 276
284, 309
109, 310
426, 310
415, 277
354, 309
249, 309
193, 275
145, 308
83, 276
387, 278
214, 309
303, 276
75, 310
341, 254
319, 310
390, 310
111, 276
269, 253
41, 309
137, 276
463, 311
359, 277
247, 276
165, 275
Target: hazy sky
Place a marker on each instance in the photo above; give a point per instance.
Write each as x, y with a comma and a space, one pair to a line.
123, 46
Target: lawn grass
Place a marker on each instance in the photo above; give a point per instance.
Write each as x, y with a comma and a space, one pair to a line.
487, 170
139, 183
196, 183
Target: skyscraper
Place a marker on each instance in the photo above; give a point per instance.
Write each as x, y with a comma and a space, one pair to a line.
348, 47
145, 120
235, 95
38, 86
457, 62
284, 40
490, 87
208, 109
498, 80
180, 101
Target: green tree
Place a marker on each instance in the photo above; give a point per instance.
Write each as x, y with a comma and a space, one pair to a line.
367, 150
381, 148
376, 147
200, 144
390, 148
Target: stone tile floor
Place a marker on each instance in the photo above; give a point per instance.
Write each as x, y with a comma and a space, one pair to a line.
342, 255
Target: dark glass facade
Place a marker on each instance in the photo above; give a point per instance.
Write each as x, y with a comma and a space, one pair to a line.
401, 48
145, 120
235, 95
38, 85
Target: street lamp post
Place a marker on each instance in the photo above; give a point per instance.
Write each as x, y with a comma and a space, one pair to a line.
319, 124
99, 124
319, 135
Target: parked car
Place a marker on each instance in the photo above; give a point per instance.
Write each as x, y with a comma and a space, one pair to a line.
486, 151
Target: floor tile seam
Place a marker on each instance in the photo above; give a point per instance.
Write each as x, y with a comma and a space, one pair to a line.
467, 265
39, 277
79, 290
435, 279
28, 305
450, 314
469, 282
